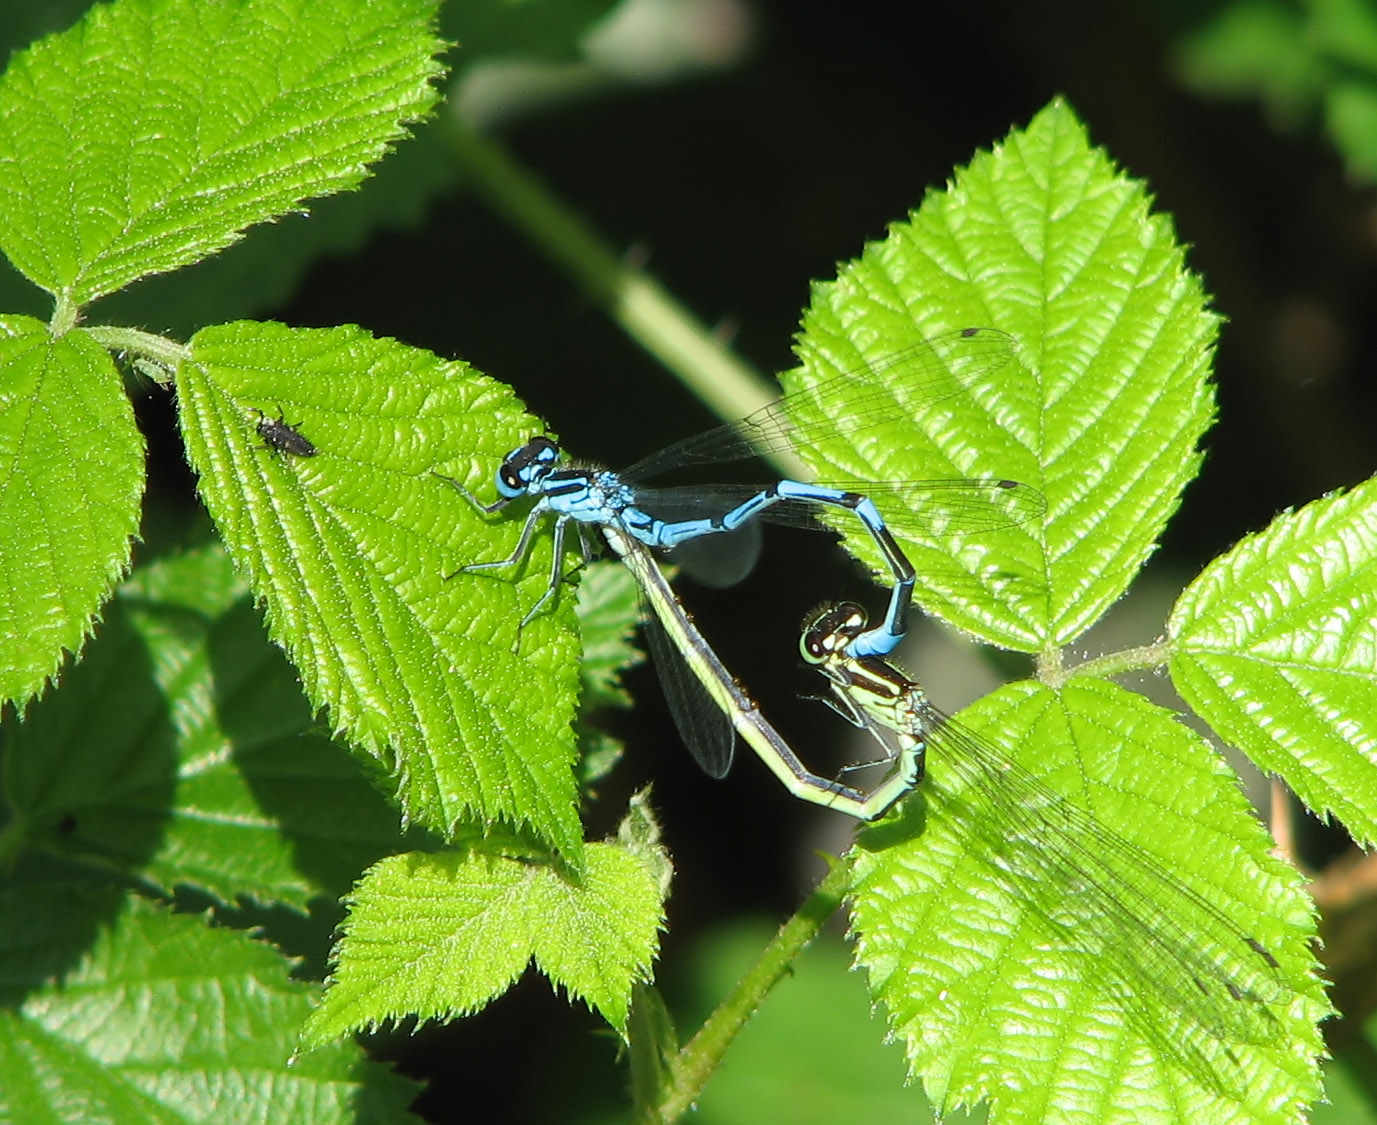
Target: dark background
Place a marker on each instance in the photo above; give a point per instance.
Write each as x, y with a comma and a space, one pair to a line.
741, 187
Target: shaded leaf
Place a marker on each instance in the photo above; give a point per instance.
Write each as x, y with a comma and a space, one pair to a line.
1254, 48
608, 607
1295, 58
180, 749
165, 1018
608, 611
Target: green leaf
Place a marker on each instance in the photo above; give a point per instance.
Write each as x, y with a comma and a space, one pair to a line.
160, 1018
639, 833
1101, 409
263, 270
177, 750
441, 935
351, 548
260, 272
1352, 120
1348, 32
1345, 34
153, 132
609, 607
1018, 949
654, 1043
71, 459
1274, 645
599, 755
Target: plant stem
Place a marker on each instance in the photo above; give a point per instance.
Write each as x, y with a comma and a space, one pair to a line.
637, 302
166, 353
1112, 663
700, 1056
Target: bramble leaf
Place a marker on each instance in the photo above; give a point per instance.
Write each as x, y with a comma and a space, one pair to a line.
351, 549
71, 462
440, 935
1275, 645
138, 1015
608, 609
1020, 947
258, 273
180, 750
152, 133
1101, 409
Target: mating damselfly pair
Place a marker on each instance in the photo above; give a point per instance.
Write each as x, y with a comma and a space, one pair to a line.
633, 516
1157, 936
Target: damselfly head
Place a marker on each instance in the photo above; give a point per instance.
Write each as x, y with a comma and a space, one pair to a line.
830, 629
526, 463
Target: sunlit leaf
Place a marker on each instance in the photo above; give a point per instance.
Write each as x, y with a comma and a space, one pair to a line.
152, 133
1101, 408
441, 935
1275, 644
356, 552
71, 463
1054, 940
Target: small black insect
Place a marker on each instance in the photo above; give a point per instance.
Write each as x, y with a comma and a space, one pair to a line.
283, 436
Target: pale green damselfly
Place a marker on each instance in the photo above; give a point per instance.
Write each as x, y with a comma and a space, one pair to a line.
711, 705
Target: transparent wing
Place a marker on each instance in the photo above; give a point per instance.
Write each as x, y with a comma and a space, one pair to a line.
704, 727
924, 374
1116, 901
